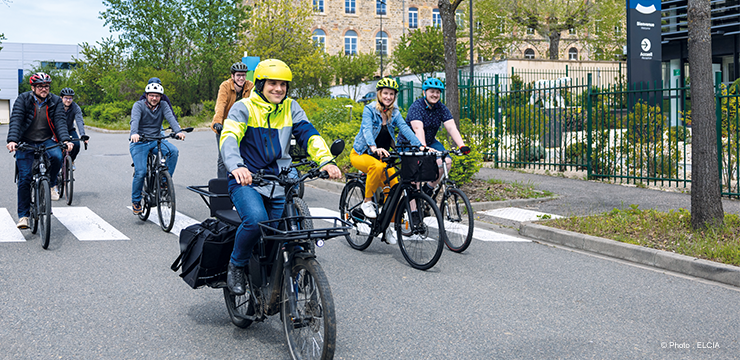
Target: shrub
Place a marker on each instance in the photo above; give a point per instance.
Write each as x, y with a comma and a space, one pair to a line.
678, 133
110, 112
463, 167
525, 122
645, 124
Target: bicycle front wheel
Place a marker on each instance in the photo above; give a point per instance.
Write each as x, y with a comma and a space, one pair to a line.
420, 231
311, 330
146, 205
44, 212
457, 214
69, 180
352, 197
165, 200
33, 220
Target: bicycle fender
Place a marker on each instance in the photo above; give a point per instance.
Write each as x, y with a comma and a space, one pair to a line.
304, 255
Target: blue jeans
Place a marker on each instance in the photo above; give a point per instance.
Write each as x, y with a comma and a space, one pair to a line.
252, 208
139, 152
24, 162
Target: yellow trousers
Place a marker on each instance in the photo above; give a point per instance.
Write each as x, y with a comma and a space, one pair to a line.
375, 170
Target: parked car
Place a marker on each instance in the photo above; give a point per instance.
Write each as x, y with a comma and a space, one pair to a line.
340, 96
367, 98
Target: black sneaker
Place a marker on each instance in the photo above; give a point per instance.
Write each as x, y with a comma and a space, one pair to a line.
235, 279
427, 189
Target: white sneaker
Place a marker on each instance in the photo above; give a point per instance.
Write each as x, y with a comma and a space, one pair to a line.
54, 194
390, 235
368, 208
23, 223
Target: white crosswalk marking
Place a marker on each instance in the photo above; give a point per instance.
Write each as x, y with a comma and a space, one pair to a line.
8, 231
479, 234
86, 225
181, 221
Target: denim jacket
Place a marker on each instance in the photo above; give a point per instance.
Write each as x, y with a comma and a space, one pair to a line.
370, 128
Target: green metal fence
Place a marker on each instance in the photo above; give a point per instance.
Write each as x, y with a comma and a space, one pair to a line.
637, 135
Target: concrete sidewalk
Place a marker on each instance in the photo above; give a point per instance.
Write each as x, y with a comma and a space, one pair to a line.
579, 198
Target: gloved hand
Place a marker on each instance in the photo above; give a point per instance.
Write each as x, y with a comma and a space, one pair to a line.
465, 150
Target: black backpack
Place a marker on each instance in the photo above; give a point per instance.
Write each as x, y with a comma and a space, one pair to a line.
205, 250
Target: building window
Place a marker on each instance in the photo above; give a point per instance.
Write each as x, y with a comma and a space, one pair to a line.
460, 18
436, 18
319, 38
349, 6
529, 54
59, 65
350, 43
380, 7
381, 43
573, 54
571, 31
413, 18
318, 6
530, 31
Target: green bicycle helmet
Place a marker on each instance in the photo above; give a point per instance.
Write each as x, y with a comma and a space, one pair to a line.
386, 83
432, 83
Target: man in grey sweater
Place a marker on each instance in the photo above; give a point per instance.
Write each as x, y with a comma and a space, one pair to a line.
146, 121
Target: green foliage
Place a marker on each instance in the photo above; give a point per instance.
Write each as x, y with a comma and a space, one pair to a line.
678, 133
351, 70
421, 52
110, 112
466, 166
334, 121
645, 124
525, 122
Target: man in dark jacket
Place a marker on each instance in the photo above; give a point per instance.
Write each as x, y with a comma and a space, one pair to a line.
37, 119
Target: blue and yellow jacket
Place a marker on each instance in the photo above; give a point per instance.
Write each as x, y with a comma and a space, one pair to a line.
256, 135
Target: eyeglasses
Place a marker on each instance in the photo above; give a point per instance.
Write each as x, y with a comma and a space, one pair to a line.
42, 86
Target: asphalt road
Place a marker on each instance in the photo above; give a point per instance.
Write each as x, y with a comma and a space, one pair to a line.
499, 300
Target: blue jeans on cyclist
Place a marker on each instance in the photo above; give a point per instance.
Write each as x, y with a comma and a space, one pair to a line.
139, 152
252, 207
24, 161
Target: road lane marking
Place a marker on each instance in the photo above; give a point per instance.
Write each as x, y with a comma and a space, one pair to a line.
86, 225
8, 230
479, 234
181, 221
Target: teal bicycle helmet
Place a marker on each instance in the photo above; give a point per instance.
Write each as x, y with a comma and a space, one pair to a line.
432, 83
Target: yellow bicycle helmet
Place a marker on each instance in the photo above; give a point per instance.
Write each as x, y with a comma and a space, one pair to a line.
386, 83
273, 69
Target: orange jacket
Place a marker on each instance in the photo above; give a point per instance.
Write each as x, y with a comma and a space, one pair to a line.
226, 99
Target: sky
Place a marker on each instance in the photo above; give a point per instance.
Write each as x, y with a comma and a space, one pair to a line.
67, 22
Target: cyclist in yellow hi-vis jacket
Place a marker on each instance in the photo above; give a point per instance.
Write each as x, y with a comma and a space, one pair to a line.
256, 136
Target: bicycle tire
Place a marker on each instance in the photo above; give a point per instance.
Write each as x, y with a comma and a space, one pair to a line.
44, 212
416, 241
301, 209
311, 331
352, 197
69, 180
166, 206
146, 206
239, 306
300, 188
33, 222
61, 179
459, 222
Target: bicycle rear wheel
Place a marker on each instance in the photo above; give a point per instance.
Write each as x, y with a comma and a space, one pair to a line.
420, 231
165, 200
33, 220
44, 212
69, 180
239, 306
311, 330
352, 197
457, 214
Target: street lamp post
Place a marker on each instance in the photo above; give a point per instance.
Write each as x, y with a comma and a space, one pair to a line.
382, 2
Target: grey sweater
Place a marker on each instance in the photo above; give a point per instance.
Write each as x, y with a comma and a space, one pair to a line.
147, 122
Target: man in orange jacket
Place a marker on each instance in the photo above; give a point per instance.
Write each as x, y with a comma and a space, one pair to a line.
230, 91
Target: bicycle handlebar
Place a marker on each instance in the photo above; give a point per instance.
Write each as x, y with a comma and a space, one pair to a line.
26, 147
170, 135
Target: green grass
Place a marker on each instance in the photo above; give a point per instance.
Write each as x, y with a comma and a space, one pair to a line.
501, 190
663, 231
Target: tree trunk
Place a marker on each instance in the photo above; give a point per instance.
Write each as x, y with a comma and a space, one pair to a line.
706, 196
554, 49
449, 33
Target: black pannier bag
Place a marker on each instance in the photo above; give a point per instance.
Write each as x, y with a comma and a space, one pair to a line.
419, 168
205, 250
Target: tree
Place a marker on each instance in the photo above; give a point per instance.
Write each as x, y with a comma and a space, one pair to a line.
706, 196
449, 30
2, 37
279, 29
351, 70
419, 51
598, 23
99, 70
